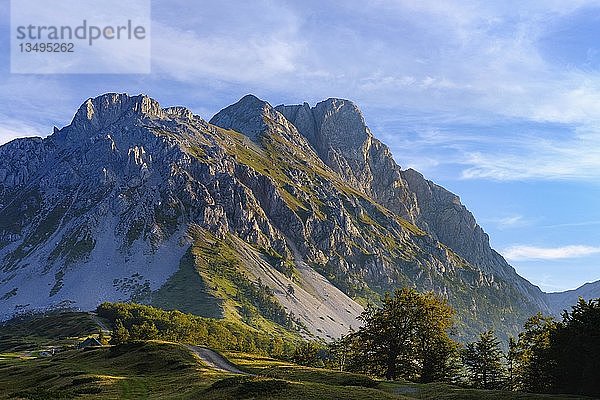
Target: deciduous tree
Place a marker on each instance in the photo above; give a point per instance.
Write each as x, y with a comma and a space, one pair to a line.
408, 337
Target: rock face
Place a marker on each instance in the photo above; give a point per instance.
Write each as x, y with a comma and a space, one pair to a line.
310, 204
337, 130
441, 213
21, 158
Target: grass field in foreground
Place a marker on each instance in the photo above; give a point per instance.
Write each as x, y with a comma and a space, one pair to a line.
161, 370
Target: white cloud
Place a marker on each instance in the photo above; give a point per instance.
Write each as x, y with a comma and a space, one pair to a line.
572, 224
573, 155
431, 62
459, 56
511, 221
523, 253
188, 56
249, 44
12, 129
33, 104
510, 151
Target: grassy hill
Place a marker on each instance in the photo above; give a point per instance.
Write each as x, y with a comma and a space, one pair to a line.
30, 333
161, 370
165, 370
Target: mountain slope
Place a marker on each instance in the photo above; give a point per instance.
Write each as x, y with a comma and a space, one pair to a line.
105, 212
560, 301
337, 131
286, 216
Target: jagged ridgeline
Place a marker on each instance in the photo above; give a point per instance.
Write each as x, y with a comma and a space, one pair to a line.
286, 216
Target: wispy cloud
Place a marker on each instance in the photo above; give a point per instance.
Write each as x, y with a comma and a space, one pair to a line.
517, 150
32, 105
524, 253
11, 129
512, 221
463, 57
188, 56
431, 63
255, 44
572, 224
507, 222
575, 155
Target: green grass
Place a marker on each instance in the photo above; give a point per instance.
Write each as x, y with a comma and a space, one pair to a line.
164, 370
243, 387
450, 392
145, 370
271, 368
132, 371
283, 380
157, 370
32, 332
220, 266
187, 292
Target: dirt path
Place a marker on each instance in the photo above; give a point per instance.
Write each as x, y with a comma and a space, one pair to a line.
215, 360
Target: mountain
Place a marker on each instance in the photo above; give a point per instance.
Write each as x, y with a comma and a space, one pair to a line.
337, 130
287, 216
561, 301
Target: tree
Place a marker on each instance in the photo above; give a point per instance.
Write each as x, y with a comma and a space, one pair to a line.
102, 338
120, 334
533, 363
512, 358
483, 361
408, 337
290, 290
309, 354
342, 352
144, 331
574, 350
277, 346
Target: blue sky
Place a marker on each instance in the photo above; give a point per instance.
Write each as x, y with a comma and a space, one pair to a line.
497, 101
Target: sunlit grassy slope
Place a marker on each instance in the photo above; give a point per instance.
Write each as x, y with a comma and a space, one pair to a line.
163, 370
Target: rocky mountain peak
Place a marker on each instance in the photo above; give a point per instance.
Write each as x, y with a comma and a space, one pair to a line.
264, 125
105, 110
336, 130
329, 123
246, 116
179, 112
333, 112
108, 207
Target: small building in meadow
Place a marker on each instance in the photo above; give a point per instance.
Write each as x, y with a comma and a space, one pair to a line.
89, 342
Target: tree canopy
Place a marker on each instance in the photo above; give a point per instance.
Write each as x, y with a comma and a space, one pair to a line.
574, 350
407, 336
483, 361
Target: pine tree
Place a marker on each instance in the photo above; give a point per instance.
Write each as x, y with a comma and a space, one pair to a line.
574, 351
483, 361
512, 359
